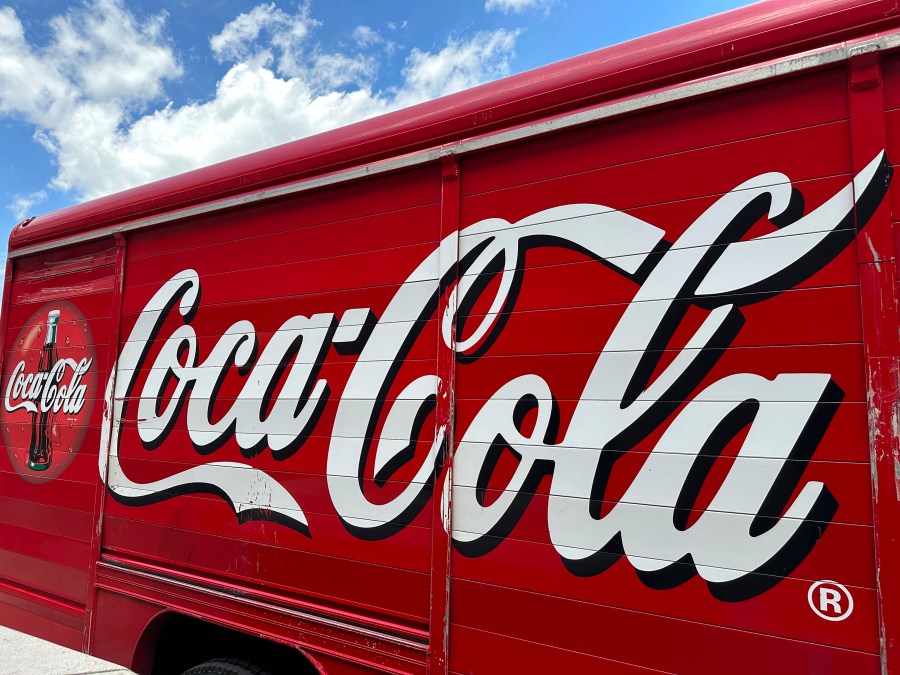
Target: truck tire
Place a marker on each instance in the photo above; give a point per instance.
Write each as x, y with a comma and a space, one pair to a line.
226, 667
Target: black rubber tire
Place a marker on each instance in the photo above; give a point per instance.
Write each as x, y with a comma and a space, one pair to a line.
226, 667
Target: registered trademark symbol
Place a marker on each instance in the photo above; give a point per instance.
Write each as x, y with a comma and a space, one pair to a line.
830, 600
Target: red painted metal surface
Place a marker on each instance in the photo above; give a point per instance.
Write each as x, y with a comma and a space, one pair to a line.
445, 411
603, 400
112, 345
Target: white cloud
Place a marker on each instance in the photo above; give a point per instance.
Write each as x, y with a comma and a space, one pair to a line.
515, 6
366, 36
459, 65
99, 67
111, 56
107, 128
100, 54
331, 71
21, 205
241, 37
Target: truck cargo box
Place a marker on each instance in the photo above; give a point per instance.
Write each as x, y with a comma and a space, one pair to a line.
593, 370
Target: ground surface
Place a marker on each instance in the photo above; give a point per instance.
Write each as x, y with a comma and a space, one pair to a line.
22, 654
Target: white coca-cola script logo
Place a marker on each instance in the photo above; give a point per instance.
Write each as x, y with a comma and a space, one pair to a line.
48, 391
743, 542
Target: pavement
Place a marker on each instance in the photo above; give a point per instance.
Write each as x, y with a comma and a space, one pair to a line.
22, 654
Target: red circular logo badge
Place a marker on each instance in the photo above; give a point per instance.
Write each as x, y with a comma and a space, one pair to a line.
49, 386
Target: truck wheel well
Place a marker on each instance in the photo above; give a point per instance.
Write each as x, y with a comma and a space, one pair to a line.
180, 642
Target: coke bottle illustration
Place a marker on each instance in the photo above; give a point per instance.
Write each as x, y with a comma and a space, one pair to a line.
40, 451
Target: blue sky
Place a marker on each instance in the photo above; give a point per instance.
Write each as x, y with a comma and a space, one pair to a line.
100, 95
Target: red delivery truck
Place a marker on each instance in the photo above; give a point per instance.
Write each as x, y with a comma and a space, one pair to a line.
594, 369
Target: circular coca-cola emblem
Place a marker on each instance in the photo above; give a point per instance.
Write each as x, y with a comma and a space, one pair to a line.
49, 386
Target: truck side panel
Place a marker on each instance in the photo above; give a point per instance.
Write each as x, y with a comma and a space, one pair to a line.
666, 168
47, 518
289, 273
624, 380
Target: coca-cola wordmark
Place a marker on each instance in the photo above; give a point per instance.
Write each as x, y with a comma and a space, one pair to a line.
49, 391
743, 542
